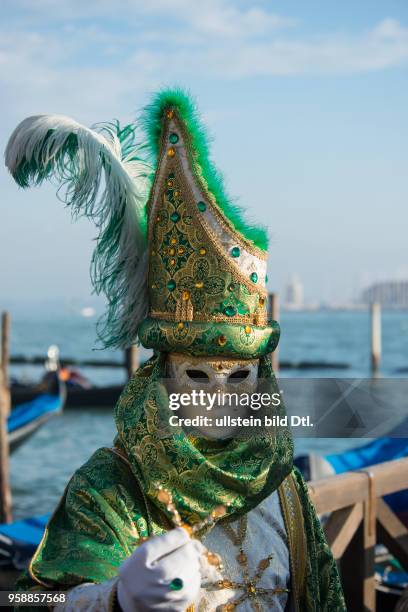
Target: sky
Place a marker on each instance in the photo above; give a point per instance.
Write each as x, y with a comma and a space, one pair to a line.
306, 103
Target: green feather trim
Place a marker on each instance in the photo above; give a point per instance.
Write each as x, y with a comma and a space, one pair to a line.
152, 119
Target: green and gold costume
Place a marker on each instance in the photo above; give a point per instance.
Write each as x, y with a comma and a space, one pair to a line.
110, 502
204, 294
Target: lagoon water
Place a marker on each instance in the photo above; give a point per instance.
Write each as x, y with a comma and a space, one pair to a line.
41, 468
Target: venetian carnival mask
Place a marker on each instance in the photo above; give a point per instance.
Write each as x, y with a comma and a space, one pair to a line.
218, 386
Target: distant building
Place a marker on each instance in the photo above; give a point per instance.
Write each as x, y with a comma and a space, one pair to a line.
391, 294
294, 294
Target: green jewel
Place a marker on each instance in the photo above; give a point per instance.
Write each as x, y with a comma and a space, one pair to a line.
266, 278
175, 216
173, 138
176, 584
254, 277
171, 285
235, 251
202, 206
230, 311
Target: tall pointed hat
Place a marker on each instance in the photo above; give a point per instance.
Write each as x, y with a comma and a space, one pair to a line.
180, 268
207, 267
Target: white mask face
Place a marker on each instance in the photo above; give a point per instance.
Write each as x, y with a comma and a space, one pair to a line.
215, 376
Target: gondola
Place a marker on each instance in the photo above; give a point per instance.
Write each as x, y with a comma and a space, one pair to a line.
18, 542
76, 397
32, 409
28, 416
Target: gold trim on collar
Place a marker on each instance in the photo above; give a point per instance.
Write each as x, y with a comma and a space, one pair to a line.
294, 522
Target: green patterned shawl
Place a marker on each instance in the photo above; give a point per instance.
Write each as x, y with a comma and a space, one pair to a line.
109, 502
238, 473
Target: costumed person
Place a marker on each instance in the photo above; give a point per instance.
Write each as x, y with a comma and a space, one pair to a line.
170, 519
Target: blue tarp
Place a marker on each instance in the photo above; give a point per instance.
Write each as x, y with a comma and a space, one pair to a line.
377, 451
29, 531
30, 411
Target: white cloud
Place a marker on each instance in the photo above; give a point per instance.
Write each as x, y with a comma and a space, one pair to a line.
106, 55
385, 46
218, 18
221, 18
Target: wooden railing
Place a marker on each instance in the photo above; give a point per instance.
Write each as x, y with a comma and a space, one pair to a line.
359, 519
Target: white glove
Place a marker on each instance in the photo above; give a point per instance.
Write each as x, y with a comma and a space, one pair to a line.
145, 578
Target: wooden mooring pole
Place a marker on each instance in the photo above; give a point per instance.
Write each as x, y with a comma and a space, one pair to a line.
5, 355
273, 313
375, 337
131, 360
5, 493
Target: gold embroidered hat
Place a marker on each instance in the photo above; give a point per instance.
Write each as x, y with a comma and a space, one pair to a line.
207, 267
184, 273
